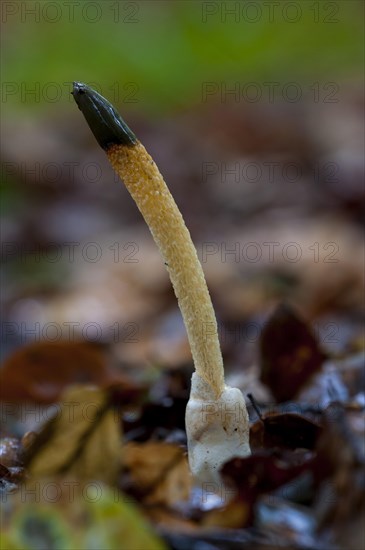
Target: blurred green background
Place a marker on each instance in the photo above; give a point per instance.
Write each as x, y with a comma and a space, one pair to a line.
170, 48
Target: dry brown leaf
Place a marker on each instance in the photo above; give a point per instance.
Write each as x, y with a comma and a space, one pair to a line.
290, 353
40, 371
170, 520
159, 471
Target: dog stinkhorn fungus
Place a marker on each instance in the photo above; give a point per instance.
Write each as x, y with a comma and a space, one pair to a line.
216, 416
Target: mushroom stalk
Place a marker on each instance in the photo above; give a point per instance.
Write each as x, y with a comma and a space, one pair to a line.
216, 416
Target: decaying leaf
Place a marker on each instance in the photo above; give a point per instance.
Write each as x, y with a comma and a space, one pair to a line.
289, 353
82, 439
261, 473
158, 472
341, 454
39, 372
284, 430
235, 514
170, 520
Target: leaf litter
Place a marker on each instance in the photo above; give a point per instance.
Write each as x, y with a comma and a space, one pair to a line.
125, 459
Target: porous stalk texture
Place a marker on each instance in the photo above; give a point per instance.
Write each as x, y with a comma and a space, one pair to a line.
147, 187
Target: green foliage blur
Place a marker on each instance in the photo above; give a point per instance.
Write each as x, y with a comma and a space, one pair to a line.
158, 53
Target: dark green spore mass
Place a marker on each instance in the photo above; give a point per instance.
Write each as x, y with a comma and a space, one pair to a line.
105, 122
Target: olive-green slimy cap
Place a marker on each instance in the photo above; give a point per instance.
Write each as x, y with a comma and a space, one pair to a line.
105, 122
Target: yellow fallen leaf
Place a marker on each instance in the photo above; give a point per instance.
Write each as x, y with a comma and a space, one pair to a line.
82, 439
65, 514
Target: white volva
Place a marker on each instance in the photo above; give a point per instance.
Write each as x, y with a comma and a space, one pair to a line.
217, 429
